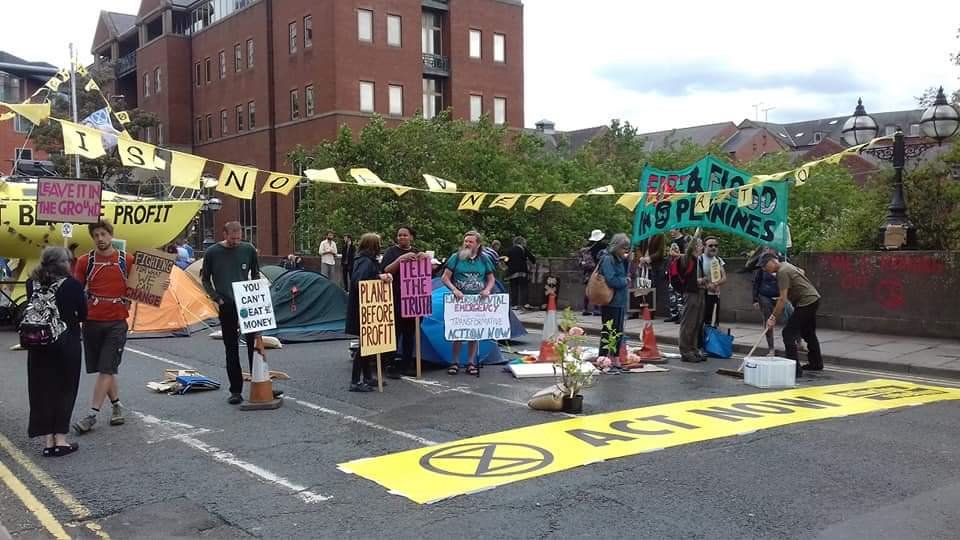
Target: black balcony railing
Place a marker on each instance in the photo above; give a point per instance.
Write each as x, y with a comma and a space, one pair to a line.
125, 64
436, 64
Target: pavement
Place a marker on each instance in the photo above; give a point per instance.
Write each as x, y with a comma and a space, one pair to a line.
895, 354
194, 466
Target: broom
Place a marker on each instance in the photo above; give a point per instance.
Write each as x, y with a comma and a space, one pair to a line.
738, 373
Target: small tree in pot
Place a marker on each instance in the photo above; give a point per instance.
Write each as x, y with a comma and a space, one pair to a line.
569, 366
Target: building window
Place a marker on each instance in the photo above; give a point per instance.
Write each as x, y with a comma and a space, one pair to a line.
22, 125
476, 38
223, 122
146, 85
889, 130
209, 127
160, 134
914, 130
248, 218
432, 98
197, 78
156, 81
499, 48
308, 32
499, 111
10, 88
223, 64
396, 100
22, 154
394, 31
249, 53
206, 65
237, 58
431, 33
148, 133
308, 99
476, 108
366, 96
292, 31
251, 115
365, 25
817, 137
199, 129
239, 118
294, 104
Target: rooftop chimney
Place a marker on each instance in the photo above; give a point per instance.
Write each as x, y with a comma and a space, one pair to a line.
547, 127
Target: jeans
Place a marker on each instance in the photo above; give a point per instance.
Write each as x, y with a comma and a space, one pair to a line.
518, 291
345, 277
691, 325
326, 270
230, 326
803, 324
617, 315
766, 309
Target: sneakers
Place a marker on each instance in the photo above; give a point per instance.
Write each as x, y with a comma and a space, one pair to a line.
85, 424
235, 399
116, 417
360, 387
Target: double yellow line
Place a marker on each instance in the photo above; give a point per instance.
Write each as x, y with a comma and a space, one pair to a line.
77, 509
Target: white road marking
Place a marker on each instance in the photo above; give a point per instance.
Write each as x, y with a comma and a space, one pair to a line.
467, 391
361, 421
160, 358
162, 430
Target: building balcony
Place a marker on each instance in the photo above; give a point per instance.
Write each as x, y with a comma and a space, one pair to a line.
434, 64
125, 64
442, 5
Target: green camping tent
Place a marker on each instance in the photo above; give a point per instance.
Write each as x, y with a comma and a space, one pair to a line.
308, 306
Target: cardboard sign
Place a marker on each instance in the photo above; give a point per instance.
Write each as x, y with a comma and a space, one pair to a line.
150, 276
476, 319
254, 306
416, 288
68, 199
377, 332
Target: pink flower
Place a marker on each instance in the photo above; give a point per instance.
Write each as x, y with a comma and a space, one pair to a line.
576, 331
603, 362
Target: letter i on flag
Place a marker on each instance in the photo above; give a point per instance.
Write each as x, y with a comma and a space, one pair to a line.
80, 140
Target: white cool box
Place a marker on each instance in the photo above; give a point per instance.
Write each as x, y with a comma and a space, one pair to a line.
769, 372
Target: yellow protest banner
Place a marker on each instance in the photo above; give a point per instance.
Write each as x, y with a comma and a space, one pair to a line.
536, 201
238, 181
326, 176
472, 202
377, 333
505, 201
745, 196
81, 140
434, 473
137, 154
280, 183
36, 113
437, 184
702, 204
566, 199
629, 200
186, 169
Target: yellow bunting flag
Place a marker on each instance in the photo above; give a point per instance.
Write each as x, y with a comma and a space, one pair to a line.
366, 177
91, 86
629, 200
186, 169
435, 183
326, 176
137, 154
280, 183
566, 199
722, 196
82, 71
238, 181
81, 140
745, 196
61, 77
603, 190
472, 201
505, 201
702, 204
398, 189
801, 175
123, 117
34, 112
536, 201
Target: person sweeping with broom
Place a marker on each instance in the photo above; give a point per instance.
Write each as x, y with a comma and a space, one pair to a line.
796, 287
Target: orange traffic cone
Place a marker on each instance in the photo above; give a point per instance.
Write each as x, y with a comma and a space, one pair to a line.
261, 389
649, 353
548, 352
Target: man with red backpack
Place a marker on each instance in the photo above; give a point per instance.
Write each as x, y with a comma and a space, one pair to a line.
685, 278
103, 273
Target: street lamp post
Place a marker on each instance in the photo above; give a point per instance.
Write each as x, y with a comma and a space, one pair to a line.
210, 206
939, 121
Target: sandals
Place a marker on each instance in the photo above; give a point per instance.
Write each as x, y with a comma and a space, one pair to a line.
472, 370
453, 369
48, 452
60, 451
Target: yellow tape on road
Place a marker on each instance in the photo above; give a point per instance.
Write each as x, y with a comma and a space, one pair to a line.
427, 475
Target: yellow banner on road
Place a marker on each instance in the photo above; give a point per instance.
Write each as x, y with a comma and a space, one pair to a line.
434, 473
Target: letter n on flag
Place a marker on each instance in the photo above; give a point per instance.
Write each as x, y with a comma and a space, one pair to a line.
237, 181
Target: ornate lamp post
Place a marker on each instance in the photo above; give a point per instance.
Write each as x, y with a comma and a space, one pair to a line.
939, 121
210, 206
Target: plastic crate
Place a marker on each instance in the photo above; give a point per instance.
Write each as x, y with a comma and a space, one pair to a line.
769, 372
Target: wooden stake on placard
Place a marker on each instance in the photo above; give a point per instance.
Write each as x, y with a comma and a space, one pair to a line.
379, 374
417, 323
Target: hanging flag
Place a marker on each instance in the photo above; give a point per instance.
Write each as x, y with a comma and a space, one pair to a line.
702, 203
536, 201
81, 140
36, 113
603, 190
745, 196
366, 177
123, 117
472, 202
326, 176
280, 183
186, 169
100, 120
437, 184
137, 154
91, 86
238, 181
566, 199
505, 201
629, 200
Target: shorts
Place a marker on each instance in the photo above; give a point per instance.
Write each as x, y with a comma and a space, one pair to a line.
103, 343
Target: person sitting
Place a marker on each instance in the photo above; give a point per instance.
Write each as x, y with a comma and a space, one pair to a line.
292, 262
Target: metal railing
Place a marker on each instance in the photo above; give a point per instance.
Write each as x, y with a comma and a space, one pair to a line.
434, 63
125, 64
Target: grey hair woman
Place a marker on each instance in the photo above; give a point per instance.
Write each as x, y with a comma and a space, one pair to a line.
614, 266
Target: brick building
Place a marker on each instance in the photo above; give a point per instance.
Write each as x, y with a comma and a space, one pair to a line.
19, 79
246, 81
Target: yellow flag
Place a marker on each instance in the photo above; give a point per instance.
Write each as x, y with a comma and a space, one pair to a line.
435, 183
91, 86
34, 112
745, 196
82, 71
566, 199
6, 116
123, 117
398, 189
472, 201
186, 169
327, 176
366, 177
137, 154
536, 201
81, 140
505, 201
702, 204
802, 174
238, 181
280, 183
603, 190
629, 200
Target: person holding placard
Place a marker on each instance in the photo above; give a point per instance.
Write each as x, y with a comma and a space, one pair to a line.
468, 271
403, 250
365, 267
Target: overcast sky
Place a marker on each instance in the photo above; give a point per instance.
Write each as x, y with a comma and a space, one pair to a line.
668, 64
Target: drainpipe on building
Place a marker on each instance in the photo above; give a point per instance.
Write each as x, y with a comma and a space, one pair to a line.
272, 133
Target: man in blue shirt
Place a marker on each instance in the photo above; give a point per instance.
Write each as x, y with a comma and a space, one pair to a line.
468, 272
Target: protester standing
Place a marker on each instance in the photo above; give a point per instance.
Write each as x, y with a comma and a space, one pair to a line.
406, 329
468, 271
715, 275
346, 262
103, 274
519, 260
795, 287
53, 371
765, 296
328, 255
589, 258
365, 267
688, 281
614, 266
678, 246
224, 264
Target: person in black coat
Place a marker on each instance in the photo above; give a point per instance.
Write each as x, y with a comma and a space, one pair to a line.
346, 262
53, 371
365, 267
519, 260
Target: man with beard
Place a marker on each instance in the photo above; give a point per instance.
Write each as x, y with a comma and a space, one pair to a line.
468, 272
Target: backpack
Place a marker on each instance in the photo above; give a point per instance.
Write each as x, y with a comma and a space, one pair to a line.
91, 258
586, 260
41, 324
678, 278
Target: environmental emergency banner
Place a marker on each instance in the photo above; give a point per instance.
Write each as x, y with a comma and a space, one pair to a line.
434, 473
474, 318
714, 196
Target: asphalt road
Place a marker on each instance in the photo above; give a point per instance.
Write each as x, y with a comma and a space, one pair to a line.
195, 466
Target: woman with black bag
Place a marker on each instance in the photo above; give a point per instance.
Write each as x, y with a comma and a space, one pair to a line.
365, 267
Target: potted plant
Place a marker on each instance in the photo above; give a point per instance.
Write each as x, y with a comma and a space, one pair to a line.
571, 377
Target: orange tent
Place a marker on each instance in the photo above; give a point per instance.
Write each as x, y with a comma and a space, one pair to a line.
184, 309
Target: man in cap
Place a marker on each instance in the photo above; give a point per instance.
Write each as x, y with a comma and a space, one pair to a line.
796, 287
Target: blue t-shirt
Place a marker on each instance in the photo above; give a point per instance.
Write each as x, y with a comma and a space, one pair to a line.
470, 275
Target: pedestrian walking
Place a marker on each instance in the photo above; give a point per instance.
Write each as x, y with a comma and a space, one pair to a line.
406, 329
365, 267
678, 246
103, 274
53, 371
614, 267
796, 288
686, 278
328, 255
468, 271
224, 264
588, 258
519, 261
346, 262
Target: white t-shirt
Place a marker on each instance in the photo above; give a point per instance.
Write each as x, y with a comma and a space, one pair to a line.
710, 268
328, 246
